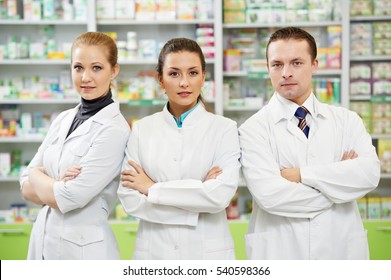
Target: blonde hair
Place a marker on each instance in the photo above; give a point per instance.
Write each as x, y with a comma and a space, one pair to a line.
98, 39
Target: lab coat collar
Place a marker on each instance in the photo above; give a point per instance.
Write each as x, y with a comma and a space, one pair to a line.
281, 108
193, 117
103, 116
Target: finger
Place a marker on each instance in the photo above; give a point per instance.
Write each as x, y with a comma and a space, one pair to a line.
136, 167
344, 156
127, 178
129, 172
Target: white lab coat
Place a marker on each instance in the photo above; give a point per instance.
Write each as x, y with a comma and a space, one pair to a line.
79, 229
183, 217
318, 218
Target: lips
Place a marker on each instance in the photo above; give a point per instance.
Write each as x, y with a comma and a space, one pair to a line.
288, 85
184, 93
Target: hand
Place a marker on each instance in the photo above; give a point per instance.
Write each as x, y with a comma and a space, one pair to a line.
349, 155
213, 173
136, 179
291, 174
71, 173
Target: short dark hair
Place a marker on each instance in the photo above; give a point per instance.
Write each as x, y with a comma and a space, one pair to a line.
296, 34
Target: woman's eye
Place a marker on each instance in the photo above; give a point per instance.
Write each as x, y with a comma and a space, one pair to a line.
174, 74
77, 68
193, 73
97, 68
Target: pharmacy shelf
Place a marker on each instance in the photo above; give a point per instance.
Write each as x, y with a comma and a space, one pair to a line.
381, 136
360, 98
385, 176
154, 22
149, 61
40, 22
282, 24
241, 108
322, 72
39, 101
370, 18
25, 62
22, 139
370, 58
9, 178
47, 101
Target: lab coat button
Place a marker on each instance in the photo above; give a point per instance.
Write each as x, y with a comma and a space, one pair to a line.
176, 247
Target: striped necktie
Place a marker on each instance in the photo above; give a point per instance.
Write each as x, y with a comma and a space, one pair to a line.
301, 112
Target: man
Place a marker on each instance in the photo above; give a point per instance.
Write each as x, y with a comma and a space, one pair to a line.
305, 172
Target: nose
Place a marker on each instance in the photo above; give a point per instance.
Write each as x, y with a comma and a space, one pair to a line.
86, 76
287, 73
184, 83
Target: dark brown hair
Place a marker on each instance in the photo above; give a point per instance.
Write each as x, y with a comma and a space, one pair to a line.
296, 34
180, 45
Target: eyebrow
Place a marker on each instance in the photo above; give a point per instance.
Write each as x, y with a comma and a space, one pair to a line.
191, 68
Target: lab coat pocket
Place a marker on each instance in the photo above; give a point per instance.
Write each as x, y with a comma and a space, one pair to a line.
219, 249
358, 246
78, 152
256, 248
276, 246
82, 242
141, 249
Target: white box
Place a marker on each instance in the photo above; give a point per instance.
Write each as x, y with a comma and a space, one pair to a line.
125, 9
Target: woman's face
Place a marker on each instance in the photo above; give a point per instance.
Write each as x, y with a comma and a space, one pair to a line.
91, 71
182, 80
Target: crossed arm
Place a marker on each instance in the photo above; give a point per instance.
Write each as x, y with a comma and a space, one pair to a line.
293, 174
138, 180
39, 186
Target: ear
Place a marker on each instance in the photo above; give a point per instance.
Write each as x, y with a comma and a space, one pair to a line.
203, 77
160, 81
315, 65
115, 71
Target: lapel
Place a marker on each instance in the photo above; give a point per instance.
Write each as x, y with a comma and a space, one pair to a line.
281, 116
66, 124
102, 117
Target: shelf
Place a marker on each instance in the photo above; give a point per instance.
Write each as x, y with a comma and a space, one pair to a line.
381, 136
40, 22
47, 101
241, 108
322, 72
360, 98
153, 22
385, 176
146, 102
39, 101
370, 58
135, 61
281, 24
370, 18
24, 139
149, 61
25, 62
9, 178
